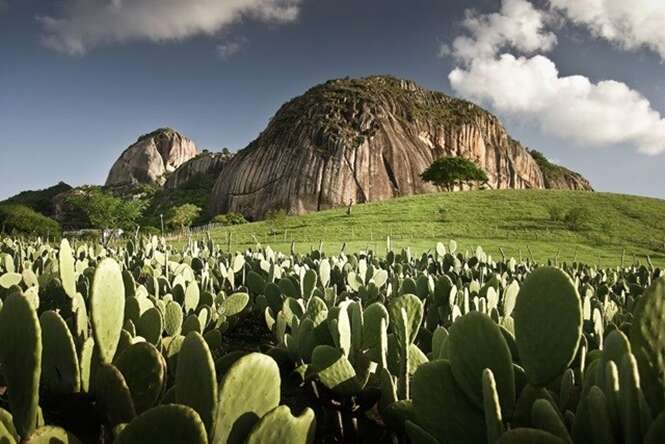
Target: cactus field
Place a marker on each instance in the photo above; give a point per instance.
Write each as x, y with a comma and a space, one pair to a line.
148, 341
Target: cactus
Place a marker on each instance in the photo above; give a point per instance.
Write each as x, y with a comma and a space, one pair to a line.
309, 284
334, 370
21, 359
60, 365
441, 407
107, 307
144, 371
475, 343
548, 324
165, 424
173, 318
196, 381
66, 268
529, 436
241, 405
234, 304
151, 325
7, 429
492, 407
50, 435
192, 297
545, 417
648, 342
113, 396
280, 426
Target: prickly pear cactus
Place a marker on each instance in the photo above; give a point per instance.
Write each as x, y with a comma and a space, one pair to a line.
279, 425
21, 359
196, 381
434, 391
334, 370
51, 435
113, 396
107, 307
242, 404
548, 324
475, 343
648, 342
60, 365
165, 424
144, 371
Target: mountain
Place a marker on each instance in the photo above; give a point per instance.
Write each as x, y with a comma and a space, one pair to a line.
152, 158
204, 164
361, 140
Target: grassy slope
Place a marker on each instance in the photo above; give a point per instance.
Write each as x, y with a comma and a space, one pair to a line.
509, 219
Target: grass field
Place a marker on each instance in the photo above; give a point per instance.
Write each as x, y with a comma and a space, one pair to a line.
513, 220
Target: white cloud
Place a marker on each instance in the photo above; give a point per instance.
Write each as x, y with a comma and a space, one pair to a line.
530, 88
231, 47
85, 24
518, 25
629, 23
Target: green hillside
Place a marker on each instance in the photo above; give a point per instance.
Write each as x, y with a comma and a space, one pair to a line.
515, 221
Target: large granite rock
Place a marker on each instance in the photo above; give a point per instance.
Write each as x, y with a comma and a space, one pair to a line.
559, 178
152, 158
364, 140
206, 164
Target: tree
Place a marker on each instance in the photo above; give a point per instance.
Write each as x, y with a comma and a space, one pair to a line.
104, 210
450, 171
183, 216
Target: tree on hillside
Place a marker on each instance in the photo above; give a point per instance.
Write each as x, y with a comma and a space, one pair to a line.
182, 216
104, 210
450, 171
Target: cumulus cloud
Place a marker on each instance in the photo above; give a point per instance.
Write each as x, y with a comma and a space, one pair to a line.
530, 87
231, 47
630, 24
84, 24
518, 25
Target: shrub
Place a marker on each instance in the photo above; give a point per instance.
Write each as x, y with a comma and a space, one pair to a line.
443, 214
556, 213
577, 218
229, 219
150, 231
182, 216
22, 219
105, 210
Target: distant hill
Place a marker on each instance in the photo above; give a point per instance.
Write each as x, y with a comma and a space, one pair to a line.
40, 201
514, 220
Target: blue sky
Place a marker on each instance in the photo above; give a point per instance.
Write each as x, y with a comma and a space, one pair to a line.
78, 83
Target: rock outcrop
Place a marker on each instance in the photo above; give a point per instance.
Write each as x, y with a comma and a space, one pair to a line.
206, 164
365, 140
559, 178
152, 158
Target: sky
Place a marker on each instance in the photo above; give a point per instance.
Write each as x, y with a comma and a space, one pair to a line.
80, 80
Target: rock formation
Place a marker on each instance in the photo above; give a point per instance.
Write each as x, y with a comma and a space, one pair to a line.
152, 158
205, 164
361, 140
559, 178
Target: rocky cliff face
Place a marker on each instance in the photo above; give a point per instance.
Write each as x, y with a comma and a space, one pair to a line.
365, 140
152, 158
559, 178
205, 164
